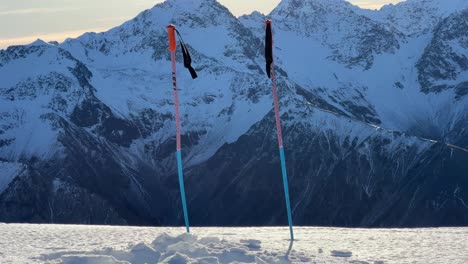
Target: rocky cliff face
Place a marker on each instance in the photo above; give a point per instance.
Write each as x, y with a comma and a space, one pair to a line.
374, 117
444, 64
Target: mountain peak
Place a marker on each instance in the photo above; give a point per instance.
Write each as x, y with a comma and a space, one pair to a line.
415, 16
38, 42
442, 5
195, 12
352, 89
303, 8
302, 3
189, 4
255, 14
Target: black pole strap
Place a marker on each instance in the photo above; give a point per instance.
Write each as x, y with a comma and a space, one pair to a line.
187, 58
268, 49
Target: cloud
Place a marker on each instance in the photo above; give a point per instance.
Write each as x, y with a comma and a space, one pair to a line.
57, 36
29, 11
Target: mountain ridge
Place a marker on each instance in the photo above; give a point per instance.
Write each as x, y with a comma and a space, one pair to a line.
356, 101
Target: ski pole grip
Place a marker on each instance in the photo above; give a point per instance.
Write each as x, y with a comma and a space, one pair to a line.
268, 47
172, 38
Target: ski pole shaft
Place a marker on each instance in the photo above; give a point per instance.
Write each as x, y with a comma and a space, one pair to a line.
280, 137
172, 49
281, 151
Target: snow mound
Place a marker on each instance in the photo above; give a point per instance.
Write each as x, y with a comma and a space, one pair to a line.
182, 249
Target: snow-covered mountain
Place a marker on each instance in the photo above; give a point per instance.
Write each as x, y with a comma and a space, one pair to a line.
374, 116
415, 17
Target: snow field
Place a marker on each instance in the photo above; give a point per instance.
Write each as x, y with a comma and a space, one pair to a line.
111, 244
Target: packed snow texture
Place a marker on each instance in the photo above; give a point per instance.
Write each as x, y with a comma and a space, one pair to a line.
106, 244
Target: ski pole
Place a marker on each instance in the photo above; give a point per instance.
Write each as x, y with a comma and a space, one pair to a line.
270, 67
172, 48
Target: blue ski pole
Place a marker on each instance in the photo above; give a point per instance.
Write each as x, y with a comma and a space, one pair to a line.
172, 47
271, 73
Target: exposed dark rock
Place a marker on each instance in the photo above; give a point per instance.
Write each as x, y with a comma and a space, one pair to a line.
442, 63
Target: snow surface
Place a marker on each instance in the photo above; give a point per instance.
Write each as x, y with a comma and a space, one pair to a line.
106, 244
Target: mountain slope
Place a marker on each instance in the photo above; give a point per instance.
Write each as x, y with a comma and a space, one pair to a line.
121, 129
391, 91
91, 122
415, 17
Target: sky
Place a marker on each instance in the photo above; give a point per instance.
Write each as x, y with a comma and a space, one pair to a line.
24, 21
